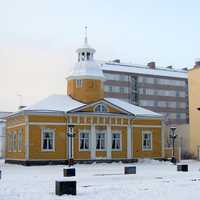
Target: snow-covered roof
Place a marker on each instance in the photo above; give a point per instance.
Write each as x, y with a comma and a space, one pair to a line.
135, 110
86, 70
142, 69
59, 103
64, 103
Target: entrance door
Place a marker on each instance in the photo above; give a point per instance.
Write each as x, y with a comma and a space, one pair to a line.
101, 145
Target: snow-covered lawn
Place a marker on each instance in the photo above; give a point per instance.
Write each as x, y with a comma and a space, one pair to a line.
154, 181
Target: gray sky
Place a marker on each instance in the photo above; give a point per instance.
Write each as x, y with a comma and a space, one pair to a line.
38, 39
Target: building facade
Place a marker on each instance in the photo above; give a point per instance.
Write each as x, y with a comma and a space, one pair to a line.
194, 109
83, 125
2, 133
162, 90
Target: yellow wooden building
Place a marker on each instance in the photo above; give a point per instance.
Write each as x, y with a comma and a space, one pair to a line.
194, 109
83, 124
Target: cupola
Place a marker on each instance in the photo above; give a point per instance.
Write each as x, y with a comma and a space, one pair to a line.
85, 82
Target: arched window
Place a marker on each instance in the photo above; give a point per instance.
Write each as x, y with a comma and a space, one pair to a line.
100, 108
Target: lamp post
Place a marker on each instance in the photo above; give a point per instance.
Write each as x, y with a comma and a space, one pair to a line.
70, 136
173, 136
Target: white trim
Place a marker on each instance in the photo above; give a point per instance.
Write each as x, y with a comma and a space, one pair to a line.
19, 147
147, 126
89, 135
14, 141
147, 132
14, 126
48, 123
93, 142
42, 138
109, 142
129, 142
120, 138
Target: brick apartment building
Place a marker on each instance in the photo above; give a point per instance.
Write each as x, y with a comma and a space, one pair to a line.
163, 90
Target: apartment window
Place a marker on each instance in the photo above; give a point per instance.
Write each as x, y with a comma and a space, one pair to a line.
172, 104
48, 140
84, 140
147, 140
100, 108
19, 140
100, 141
149, 92
79, 83
162, 104
116, 141
121, 89
182, 105
146, 103
149, 80
141, 91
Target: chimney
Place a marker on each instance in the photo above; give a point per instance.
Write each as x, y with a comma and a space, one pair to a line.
169, 67
116, 61
185, 69
151, 65
21, 107
197, 62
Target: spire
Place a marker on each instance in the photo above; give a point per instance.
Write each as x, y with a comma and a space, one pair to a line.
86, 40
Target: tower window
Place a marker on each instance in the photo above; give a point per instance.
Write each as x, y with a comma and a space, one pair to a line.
88, 55
83, 56
79, 83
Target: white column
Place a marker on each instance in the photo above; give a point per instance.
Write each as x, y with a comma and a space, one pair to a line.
129, 142
109, 142
93, 142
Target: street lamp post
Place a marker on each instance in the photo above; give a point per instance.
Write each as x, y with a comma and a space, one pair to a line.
70, 136
173, 136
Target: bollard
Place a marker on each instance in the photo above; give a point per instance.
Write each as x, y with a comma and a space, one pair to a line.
130, 170
69, 172
65, 187
183, 168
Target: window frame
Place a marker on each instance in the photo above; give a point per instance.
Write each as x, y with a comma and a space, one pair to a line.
42, 139
120, 140
19, 145
79, 83
151, 136
86, 132
14, 141
105, 141
101, 108
9, 142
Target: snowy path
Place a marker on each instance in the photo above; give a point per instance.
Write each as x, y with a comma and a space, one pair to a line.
154, 181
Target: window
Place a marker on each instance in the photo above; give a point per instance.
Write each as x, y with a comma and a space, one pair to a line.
146, 103
147, 141
78, 83
48, 140
9, 142
88, 55
116, 141
19, 140
100, 108
84, 140
14, 142
100, 141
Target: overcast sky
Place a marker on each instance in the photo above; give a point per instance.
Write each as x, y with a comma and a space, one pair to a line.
38, 39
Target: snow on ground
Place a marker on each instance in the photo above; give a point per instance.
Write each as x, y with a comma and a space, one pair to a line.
154, 180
